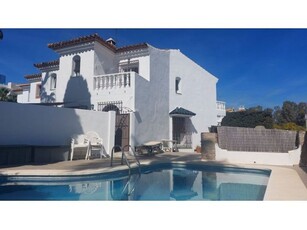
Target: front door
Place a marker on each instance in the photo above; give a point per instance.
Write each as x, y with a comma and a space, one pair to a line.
122, 130
180, 133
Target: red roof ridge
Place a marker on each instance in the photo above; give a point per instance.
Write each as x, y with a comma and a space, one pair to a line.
46, 64
97, 38
33, 76
80, 40
23, 84
132, 47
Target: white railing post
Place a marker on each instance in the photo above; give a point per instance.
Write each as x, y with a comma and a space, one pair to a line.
129, 79
111, 81
107, 82
120, 80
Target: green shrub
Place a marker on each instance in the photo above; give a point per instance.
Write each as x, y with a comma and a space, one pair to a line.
289, 126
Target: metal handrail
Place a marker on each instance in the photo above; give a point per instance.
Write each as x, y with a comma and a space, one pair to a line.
112, 153
134, 154
125, 190
124, 157
126, 187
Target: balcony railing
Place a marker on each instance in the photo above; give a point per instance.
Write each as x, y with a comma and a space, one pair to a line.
220, 105
111, 81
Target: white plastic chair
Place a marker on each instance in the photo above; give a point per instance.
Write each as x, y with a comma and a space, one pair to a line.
79, 142
95, 143
91, 141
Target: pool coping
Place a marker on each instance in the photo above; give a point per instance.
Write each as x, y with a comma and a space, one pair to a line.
284, 183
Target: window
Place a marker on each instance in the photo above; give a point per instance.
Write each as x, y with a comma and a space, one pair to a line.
38, 90
53, 81
76, 65
178, 85
130, 66
131, 69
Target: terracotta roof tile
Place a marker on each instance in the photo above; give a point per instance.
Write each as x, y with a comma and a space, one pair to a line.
33, 76
17, 90
97, 38
132, 47
80, 40
19, 87
23, 85
47, 64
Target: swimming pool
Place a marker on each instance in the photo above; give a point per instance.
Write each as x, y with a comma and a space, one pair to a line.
156, 182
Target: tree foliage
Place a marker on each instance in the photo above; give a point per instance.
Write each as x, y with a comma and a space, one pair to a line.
292, 113
289, 126
291, 116
249, 119
289, 112
302, 110
5, 95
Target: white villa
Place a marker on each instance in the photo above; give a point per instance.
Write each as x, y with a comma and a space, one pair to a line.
156, 93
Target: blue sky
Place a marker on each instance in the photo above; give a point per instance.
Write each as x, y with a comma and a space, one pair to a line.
254, 66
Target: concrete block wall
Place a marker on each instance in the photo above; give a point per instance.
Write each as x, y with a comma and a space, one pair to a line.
256, 139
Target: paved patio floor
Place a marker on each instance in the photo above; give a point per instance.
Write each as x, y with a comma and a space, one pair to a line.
285, 183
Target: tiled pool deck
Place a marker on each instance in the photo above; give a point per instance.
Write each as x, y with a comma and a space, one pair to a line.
285, 183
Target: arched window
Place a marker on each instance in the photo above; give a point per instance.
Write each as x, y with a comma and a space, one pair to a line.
76, 65
52, 81
111, 107
178, 85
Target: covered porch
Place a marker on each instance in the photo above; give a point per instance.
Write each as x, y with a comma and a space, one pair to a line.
182, 127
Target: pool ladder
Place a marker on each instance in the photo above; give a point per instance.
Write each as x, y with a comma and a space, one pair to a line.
125, 158
126, 191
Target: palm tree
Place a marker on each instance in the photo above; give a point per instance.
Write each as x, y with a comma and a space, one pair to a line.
6, 95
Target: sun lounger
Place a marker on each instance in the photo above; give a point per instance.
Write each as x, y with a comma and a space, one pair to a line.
150, 147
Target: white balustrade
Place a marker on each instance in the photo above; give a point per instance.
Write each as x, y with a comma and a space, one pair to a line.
220, 105
112, 81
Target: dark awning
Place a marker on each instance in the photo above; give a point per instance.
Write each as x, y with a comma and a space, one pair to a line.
181, 112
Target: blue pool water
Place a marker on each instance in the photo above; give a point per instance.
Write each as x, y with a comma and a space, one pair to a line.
159, 182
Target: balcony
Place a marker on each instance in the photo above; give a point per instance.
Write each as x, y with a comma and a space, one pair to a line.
221, 108
221, 111
114, 81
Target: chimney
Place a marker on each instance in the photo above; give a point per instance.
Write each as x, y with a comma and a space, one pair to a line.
111, 41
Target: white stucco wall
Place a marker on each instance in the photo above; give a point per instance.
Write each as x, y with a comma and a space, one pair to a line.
198, 93
78, 88
291, 158
24, 96
104, 60
33, 98
144, 67
47, 93
152, 99
23, 124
